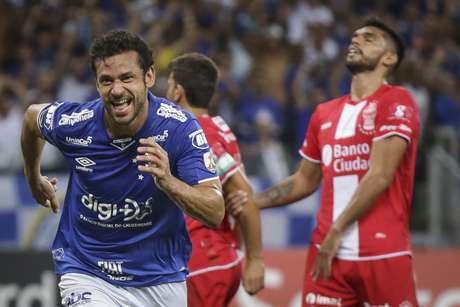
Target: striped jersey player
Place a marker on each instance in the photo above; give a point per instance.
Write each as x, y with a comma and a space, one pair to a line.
223, 251
216, 268
340, 139
362, 147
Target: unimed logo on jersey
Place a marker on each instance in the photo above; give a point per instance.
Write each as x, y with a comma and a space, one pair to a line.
80, 142
346, 158
161, 137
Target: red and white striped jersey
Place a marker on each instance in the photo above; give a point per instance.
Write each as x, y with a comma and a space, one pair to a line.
340, 137
220, 244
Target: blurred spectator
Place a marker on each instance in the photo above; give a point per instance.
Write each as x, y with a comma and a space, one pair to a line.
271, 153
280, 57
255, 98
77, 83
446, 104
409, 77
11, 113
319, 49
304, 13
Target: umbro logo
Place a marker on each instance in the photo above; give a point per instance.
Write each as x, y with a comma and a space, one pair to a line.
85, 163
58, 254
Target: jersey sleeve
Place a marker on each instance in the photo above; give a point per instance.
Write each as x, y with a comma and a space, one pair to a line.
48, 121
224, 147
226, 163
195, 163
398, 115
310, 149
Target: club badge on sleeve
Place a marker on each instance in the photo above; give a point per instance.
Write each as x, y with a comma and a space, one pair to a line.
210, 161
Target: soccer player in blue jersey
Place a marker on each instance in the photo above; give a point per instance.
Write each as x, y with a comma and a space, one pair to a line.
135, 168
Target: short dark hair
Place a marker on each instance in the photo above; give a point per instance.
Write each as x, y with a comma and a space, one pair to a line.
119, 41
198, 75
394, 36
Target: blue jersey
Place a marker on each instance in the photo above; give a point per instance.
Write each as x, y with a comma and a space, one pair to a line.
116, 224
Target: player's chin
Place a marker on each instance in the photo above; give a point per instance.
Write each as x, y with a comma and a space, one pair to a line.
352, 59
123, 120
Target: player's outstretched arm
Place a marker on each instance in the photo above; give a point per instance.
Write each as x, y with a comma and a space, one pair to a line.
249, 221
32, 144
295, 187
386, 156
203, 201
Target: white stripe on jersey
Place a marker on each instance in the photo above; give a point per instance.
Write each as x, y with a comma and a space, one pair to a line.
348, 120
344, 187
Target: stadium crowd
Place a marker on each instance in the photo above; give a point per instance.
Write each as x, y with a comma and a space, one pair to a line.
278, 59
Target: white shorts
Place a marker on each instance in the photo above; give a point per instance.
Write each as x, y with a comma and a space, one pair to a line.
90, 291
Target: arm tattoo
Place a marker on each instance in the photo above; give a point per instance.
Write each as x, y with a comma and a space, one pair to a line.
274, 194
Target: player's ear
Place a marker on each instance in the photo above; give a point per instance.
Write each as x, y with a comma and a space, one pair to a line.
179, 92
150, 77
390, 59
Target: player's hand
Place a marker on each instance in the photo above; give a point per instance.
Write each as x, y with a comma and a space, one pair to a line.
253, 276
326, 254
44, 191
153, 159
235, 202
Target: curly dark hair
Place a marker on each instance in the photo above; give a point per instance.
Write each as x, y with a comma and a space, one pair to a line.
118, 41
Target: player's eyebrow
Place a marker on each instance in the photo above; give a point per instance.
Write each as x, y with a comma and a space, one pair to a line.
366, 34
105, 77
126, 74
369, 35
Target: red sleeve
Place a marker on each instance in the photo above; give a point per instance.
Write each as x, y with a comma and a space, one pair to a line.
397, 115
226, 153
310, 149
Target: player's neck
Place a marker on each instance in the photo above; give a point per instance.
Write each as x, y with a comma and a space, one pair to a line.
365, 84
197, 112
